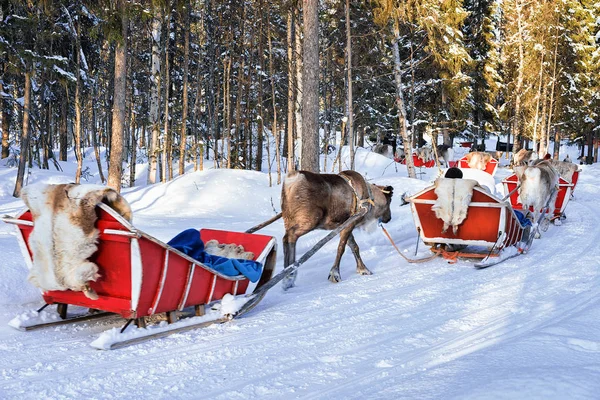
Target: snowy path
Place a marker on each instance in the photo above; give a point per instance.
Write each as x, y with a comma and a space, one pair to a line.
524, 328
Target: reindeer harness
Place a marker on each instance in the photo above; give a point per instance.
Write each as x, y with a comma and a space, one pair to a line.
357, 201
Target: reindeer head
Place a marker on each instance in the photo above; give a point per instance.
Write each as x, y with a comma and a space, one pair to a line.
382, 197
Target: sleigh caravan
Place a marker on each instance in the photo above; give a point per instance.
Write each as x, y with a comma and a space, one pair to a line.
490, 167
419, 163
142, 277
565, 190
490, 231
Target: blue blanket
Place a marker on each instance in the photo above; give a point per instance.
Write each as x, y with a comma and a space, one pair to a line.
189, 242
522, 218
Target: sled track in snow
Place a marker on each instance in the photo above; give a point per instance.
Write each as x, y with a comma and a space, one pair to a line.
403, 288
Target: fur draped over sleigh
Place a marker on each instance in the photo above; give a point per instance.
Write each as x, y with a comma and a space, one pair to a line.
453, 199
64, 235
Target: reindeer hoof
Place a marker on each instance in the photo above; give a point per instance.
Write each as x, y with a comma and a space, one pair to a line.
334, 277
557, 222
364, 271
287, 283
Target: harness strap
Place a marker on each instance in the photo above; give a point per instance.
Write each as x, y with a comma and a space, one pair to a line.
357, 201
436, 252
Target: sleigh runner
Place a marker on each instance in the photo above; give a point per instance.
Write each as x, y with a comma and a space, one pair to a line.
140, 276
490, 225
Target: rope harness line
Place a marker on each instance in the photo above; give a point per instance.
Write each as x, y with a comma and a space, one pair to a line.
436, 252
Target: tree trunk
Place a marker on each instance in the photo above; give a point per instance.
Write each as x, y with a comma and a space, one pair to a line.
237, 153
95, 135
349, 78
261, 121
299, 82
77, 144
133, 151
210, 90
166, 165
291, 67
155, 92
24, 135
226, 111
274, 128
6, 116
310, 87
519, 84
556, 154
410, 167
186, 62
63, 136
543, 134
115, 169
551, 103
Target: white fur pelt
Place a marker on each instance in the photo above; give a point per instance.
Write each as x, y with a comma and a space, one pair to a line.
229, 250
478, 159
453, 199
64, 236
538, 184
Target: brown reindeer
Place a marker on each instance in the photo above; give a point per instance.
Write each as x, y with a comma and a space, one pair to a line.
325, 201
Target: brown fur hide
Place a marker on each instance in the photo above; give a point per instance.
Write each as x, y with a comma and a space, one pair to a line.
227, 250
478, 159
64, 235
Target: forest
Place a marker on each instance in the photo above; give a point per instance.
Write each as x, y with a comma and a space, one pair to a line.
242, 84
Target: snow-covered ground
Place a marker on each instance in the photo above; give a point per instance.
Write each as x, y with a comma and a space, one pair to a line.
527, 328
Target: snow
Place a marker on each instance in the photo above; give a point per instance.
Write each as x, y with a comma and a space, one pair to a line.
526, 328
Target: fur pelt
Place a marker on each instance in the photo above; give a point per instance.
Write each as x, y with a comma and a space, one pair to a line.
478, 159
537, 185
227, 250
453, 199
64, 236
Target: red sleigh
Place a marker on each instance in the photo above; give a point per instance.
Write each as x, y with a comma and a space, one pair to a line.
490, 224
420, 163
565, 189
490, 167
142, 276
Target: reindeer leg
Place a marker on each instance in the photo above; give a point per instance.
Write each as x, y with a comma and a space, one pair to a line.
289, 257
361, 268
334, 273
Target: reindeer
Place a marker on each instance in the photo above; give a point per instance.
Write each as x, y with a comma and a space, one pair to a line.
539, 187
325, 201
524, 157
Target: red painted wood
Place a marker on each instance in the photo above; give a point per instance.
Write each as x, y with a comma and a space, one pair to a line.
114, 259
483, 223
490, 167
